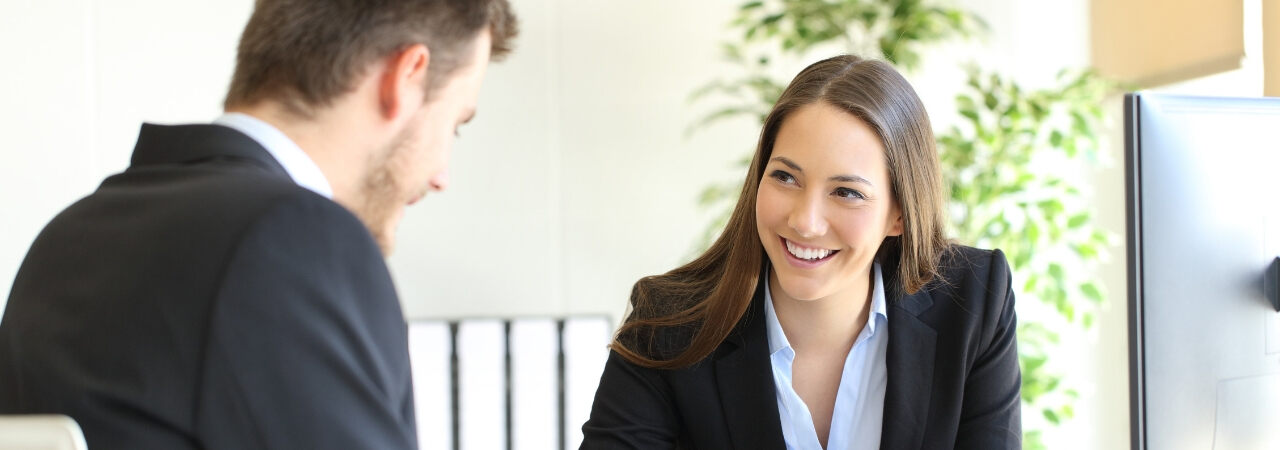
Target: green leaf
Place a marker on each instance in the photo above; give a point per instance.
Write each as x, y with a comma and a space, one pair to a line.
750, 5
870, 16
1050, 207
1031, 392
1055, 138
1055, 271
1091, 291
1052, 417
973, 82
1033, 440
1079, 125
1021, 259
1077, 220
1038, 111
1033, 363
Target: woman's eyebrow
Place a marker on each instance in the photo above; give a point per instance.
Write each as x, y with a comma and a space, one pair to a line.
789, 163
836, 178
850, 179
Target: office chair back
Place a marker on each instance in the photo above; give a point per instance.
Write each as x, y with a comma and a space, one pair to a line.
40, 432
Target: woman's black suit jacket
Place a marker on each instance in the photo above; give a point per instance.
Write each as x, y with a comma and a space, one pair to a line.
952, 365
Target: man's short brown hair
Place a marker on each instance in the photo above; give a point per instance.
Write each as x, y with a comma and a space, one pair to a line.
305, 53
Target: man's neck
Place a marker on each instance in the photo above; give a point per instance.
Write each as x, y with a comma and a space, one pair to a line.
323, 137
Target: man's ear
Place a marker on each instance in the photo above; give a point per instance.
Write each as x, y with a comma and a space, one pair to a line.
404, 80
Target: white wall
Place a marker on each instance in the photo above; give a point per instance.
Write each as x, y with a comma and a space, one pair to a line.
574, 180
79, 77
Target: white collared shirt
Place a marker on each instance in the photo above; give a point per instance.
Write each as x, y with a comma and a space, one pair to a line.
300, 167
859, 406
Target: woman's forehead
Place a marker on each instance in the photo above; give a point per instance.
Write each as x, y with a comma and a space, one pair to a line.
822, 139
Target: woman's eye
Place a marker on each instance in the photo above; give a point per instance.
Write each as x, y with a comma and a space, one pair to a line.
849, 194
782, 177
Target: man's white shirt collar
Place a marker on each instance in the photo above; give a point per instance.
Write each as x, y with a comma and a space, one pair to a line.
300, 167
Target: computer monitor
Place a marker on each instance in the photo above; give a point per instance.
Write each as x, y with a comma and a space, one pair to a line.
1203, 176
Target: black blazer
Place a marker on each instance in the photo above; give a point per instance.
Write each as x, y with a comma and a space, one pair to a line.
952, 366
201, 299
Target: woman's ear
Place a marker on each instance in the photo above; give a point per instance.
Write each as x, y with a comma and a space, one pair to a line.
895, 225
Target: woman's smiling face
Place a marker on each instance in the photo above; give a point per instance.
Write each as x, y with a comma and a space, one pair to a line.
825, 203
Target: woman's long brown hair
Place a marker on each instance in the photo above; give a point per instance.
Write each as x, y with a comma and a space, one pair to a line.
704, 299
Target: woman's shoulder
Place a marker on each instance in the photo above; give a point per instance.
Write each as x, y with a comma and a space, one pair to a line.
972, 278
961, 263
655, 331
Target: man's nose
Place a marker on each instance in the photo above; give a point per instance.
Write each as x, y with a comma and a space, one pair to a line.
440, 181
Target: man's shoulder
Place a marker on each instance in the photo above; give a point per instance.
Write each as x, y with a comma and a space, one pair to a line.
317, 225
287, 222
199, 214
214, 196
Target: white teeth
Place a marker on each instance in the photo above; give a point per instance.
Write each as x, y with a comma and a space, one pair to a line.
807, 253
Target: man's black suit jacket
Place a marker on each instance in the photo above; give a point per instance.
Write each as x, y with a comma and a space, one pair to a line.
202, 299
952, 365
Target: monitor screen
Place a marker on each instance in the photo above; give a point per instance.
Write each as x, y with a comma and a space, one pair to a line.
1203, 176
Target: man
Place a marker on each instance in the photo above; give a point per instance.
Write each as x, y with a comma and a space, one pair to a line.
228, 290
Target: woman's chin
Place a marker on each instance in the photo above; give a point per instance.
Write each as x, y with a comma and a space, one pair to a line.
800, 289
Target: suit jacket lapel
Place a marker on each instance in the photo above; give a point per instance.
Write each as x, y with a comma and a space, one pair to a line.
744, 377
909, 364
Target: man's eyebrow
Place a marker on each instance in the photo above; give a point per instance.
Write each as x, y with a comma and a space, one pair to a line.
470, 116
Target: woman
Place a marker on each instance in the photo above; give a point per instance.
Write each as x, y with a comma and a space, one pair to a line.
832, 312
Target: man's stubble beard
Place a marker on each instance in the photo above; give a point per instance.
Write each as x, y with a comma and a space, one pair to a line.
378, 203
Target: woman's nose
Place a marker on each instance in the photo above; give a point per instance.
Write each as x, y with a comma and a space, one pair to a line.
807, 219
